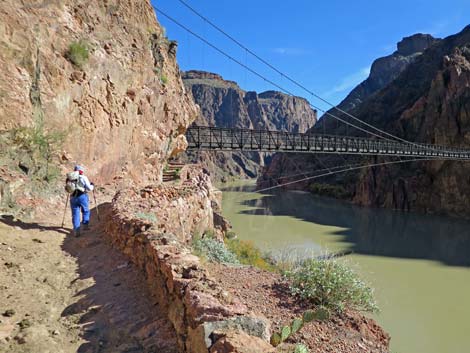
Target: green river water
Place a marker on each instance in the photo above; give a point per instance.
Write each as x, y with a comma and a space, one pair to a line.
419, 265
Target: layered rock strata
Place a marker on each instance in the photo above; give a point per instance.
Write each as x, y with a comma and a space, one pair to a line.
224, 104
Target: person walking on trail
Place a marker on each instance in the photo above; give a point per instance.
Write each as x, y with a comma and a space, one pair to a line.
77, 185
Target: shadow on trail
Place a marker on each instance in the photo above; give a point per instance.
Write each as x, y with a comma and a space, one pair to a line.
114, 306
13, 222
377, 232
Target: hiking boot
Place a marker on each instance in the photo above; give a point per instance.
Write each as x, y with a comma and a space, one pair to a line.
76, 232
86, 226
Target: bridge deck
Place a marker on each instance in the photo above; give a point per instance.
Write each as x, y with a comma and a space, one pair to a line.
228, 139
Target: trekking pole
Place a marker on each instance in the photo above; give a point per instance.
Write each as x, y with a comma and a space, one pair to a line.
65, 210
96, 205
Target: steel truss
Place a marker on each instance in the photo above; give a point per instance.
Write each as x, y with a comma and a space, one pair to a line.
232, 139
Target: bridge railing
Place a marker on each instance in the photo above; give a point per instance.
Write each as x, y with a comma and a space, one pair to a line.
215, 138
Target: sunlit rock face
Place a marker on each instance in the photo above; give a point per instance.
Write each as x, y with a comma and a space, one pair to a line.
124, 108
224, 104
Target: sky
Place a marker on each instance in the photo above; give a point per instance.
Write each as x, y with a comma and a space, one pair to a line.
328, 46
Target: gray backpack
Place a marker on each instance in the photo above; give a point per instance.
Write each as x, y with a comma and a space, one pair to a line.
73, 183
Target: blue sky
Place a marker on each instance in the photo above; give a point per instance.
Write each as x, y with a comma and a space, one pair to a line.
327, 45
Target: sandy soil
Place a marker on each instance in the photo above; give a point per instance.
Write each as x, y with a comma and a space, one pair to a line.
64, 294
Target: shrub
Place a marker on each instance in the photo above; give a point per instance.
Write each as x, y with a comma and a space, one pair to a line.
213, 250
335, 191
248, 254
78, 53
163, 79
40, 146
230, 235
332, 284
209, 233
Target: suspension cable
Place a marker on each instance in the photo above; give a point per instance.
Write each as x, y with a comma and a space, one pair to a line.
220, 51
311, 171
298, 84
342, 171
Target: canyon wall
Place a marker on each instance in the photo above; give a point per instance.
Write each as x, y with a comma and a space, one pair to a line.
428, 101
104, 76
224, 104
102, 73
382, 72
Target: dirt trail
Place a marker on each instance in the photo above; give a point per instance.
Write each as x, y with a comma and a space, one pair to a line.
73, 294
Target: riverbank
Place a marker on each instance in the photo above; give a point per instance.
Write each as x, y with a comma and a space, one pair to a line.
418, 264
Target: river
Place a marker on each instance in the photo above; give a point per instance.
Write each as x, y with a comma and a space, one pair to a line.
419, 265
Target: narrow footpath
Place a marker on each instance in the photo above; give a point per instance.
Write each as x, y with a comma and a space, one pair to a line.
65, 294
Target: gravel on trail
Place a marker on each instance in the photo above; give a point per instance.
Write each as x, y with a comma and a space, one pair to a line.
65, 294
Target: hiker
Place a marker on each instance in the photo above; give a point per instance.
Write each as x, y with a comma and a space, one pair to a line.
77, 185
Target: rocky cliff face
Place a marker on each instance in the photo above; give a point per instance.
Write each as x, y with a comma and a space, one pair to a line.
101, 72
383, 71
427, 102
224, 104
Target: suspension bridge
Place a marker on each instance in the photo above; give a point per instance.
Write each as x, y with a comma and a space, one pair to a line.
376, 142
234, 139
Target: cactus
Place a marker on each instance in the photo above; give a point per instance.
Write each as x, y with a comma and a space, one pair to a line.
285, 333
300, 348
308, 316
322, 314
277, 338
296, 325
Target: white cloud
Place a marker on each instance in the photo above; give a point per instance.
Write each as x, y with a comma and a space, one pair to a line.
349, 82
290, 51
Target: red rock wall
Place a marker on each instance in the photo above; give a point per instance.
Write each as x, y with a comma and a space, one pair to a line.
125, 110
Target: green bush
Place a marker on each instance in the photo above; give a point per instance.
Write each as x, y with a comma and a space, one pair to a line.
40, 146
248, 254
78, 53
163, 79
335, 191
213, 250
331, 284
230, 235
209, 233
